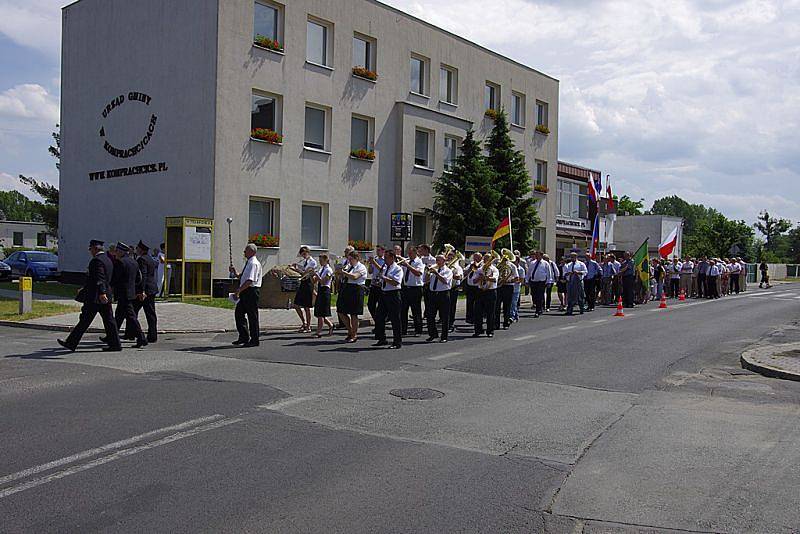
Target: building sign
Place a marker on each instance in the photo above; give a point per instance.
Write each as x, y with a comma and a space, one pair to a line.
401, 226
148, 128
572, 224
478, 243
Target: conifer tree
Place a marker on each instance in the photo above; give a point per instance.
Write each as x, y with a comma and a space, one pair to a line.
513, 183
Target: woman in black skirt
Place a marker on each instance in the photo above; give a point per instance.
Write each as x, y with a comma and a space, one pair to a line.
322, 306
304, 297
351, 295
561, 286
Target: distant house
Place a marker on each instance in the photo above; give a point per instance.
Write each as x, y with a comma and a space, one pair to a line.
631, 231
30, 235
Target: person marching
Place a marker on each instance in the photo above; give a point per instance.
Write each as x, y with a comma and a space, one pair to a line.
458, 277
440, 277
246, 296
487, 276
96, 298
424, 252
148, 265
522, 274
561, 285
322, 305
592, 282
351, 296
574, 272
128, 287
413, 275
391, 279
538, 275
304, 297
339, 281
505, 292
764, 268
551, 281
374, 268
471, 286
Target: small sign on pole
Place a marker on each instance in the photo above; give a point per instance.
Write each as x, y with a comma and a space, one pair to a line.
25, 295
401, 226
478, 243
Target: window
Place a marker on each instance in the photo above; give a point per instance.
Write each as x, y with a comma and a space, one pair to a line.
491, 96
262, 217
263, 113
17, 239
448, 85
318, 43
363, 52
419, 75
311, 226
360, 133
266, 21
316, 124
419, 229
450, 152
572, 200
541, 172
518, 109
422, 148
359, 224
541, 113
41, 239
539, 236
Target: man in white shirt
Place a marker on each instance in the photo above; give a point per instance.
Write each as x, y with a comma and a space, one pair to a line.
375, 266
674, 273
487, 276
687, 268
246, 312
471, 286
736, 270
574, 271
413, 280
522, 274
424, 252
539, 272
439, 279
455, 285
391, 280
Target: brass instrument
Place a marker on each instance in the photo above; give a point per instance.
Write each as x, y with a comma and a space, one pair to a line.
505, 266
448, 248
458, 258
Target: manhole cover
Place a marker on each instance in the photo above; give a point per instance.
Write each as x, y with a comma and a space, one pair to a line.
789, 354
417, 393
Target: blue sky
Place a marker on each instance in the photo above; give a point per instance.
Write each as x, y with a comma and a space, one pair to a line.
695, 98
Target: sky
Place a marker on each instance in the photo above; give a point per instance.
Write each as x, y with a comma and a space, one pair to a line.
700, 99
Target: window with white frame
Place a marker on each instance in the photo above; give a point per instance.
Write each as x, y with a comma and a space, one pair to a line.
363, 52
572, 200
262, 217
518, 109
264, 112
316, 135
450, 152
448, 85
541, 172
360, 133
268, 22
312, 225
491, 96
419, 75
319, 42
541, 113
422, 148
359, 224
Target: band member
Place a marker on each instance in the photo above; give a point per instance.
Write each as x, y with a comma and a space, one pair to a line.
487, 276
458, 277
592, 281
374, 267
505, 292
391, 279
413, 276
338, 280
538, 274
96, 298
522, 273
247, 295
551, 281
148, 265
424, 252
322, 305
128, 287
351, 296
574, 271
471, 285
440, 277
304, 297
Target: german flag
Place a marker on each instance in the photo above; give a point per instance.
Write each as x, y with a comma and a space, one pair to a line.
503, 229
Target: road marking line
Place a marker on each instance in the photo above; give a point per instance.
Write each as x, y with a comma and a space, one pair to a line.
367, 378
568, 327
525, 338
115, 456
287, 402
105, 448
598, 321
446, 355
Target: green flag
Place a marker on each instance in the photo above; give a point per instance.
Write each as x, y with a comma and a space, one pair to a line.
641, 264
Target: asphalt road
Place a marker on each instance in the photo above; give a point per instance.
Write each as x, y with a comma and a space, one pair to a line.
561, 424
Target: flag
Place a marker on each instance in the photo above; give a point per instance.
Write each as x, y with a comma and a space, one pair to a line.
666, 248
503, 229
595, 238
609, 196
640, 263
595, 188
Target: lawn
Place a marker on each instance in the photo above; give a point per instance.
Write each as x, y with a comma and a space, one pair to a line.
9, 309
46, 288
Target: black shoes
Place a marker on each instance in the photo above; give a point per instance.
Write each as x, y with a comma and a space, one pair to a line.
241, 342
395, 347
380, 343
443, 340
251, 344
431, 338
112, 349
490, 335
476, 335
140, 344
66, 345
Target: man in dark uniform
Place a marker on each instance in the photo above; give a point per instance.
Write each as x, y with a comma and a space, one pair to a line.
96, 298
148, 266
128, 286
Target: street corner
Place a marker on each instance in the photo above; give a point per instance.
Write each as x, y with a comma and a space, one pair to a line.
781, 360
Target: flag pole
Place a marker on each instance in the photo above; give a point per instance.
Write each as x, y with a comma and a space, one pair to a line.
510, 235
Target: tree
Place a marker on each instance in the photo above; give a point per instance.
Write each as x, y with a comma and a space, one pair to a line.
771, 228
626, 206
55, 151
513, 183
675, 206
48, 210
465, 200
14, 206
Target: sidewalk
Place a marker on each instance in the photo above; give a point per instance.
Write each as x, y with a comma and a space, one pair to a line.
775, 361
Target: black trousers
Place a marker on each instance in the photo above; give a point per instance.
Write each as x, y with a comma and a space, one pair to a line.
426, 296
149, 307
389, 308
472, 293
734, 283
628, 283
373, 298
438, 302
674, 287
484, 310
246, 315
412, 300
548, 295
88, 312
711, 282
453, 304
126, 312
537, 292
505, 294
591, 287
702, 288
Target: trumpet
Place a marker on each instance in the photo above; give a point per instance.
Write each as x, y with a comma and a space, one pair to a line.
400, 260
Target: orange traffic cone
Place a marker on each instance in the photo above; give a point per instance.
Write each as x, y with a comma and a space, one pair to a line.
663, 303
682, 296
619, 313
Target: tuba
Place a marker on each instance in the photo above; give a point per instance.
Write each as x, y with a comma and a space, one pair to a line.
506, 266
457, 258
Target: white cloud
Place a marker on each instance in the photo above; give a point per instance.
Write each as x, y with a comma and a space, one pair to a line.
12, 183
33, 23
29, 101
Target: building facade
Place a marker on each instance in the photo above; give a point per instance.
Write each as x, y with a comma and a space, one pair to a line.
631, 230
307, 123
29, 235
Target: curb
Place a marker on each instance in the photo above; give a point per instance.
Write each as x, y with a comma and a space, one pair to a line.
750, 362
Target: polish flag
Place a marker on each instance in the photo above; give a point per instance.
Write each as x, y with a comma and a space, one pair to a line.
666, 248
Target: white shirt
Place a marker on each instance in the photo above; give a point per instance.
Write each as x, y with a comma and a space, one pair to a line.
492, 272
578, 267
306, 264
674, 270
458, 276
324, 271
472, 275
554, 272
522, 273
360, 270
376, 273
428, 260
713, 270
539, 271
252, 272
687, 267
437, 285
395, 272
736, 268
411, 279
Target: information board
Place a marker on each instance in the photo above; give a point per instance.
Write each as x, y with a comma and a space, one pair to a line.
401, 226
197, 243
478, 243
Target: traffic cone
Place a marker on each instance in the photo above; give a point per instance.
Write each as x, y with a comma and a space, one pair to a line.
663, 303
682, 296
619, 313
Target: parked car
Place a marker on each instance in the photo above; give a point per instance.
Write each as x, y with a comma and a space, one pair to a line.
37, 264
5, 271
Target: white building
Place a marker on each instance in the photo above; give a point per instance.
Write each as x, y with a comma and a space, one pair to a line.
159, 101
29, 235
630, 232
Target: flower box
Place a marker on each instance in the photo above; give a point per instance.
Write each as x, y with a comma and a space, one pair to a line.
492, 113
540, 188
360, 246
542, 129
265, 240
265, 134
362, 72
266, 42
367, 155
